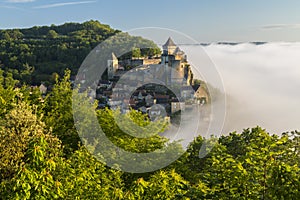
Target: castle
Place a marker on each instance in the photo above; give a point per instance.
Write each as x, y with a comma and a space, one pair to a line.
143, 83
172, 64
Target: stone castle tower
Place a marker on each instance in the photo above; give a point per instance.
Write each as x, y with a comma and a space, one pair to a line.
176, 66
112, 66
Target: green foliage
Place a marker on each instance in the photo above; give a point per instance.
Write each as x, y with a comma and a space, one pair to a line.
136, 53
161, 185
8, 93
50, 49
34, 179
26, 152
41, 158
84, 177
120, 137
251, 165
58, 112
52, 34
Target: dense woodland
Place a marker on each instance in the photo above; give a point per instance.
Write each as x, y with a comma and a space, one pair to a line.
42, 156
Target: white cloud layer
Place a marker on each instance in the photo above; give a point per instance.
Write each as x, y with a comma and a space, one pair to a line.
280, 26
63, 4
19, 1
262, 83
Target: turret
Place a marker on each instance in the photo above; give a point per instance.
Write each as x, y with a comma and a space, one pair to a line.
169, 47
112, 66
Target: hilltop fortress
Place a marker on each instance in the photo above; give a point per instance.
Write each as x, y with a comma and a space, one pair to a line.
130, 83
172, 64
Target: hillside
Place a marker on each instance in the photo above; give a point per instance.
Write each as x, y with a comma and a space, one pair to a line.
35, 55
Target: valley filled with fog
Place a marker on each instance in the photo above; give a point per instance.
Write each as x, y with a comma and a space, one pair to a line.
261, 83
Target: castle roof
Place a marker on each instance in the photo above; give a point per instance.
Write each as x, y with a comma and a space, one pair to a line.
178, 51
169, 43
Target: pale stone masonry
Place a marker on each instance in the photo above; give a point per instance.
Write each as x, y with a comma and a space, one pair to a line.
173, 63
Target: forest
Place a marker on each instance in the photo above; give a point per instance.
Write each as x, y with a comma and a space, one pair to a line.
42, 156
38, 54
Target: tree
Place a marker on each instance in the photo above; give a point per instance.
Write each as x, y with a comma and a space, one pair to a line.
52, 34
8, 93
19, 126
84, 177
35, 178
59, 115
161, 185
27, 150
136, 53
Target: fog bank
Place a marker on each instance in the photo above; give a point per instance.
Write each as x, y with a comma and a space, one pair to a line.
262, 83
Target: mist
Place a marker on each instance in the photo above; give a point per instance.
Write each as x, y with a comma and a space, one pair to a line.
261, 82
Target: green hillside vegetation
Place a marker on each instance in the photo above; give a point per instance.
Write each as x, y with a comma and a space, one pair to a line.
38, 54
42, 157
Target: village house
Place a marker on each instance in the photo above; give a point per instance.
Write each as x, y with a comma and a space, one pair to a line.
201, 95
177, 106
43, 89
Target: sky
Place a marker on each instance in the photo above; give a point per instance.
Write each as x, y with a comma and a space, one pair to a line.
203, 20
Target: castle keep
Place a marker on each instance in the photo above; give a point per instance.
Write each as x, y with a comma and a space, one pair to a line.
172, 64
